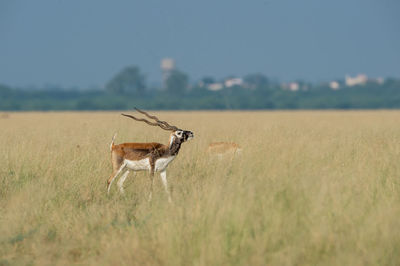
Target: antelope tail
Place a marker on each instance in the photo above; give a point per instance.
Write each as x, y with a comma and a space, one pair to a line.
112, 142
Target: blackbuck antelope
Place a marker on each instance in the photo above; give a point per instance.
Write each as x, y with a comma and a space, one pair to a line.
223, 148
153, 157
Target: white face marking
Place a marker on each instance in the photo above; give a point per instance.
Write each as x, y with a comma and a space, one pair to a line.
162, 163
140, 165
179, 133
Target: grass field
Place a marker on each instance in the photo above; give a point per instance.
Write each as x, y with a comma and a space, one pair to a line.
309, 188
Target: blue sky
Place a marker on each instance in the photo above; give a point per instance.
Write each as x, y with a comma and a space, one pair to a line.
85, 42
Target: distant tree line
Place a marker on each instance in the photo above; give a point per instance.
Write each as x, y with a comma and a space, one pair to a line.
130, 81
128, 88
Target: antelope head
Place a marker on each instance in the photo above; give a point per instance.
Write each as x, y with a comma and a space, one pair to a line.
177, 135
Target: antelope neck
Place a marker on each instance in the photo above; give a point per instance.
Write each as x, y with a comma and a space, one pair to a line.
174, 145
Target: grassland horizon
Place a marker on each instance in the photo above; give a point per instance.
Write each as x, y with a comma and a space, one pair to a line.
309, 188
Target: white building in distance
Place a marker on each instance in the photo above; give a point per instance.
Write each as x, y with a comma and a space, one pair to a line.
233, 82
215, 86
294, 86
360, 79
167, 66
334, 85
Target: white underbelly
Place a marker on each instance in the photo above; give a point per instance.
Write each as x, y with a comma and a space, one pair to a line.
140, 165
162, 163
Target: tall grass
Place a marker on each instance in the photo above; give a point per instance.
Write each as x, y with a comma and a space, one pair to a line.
309, 188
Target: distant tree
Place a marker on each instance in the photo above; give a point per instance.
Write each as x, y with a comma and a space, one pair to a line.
391, 83
5, 90
257, 80
129, 80
208, 80
177, 82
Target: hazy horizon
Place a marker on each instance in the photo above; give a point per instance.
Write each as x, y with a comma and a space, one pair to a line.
85, 43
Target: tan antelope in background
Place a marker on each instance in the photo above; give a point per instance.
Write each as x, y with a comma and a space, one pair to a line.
223, 148
152, 157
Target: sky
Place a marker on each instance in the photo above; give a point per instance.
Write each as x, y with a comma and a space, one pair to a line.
84, 43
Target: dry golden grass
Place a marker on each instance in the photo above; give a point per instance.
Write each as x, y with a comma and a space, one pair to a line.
309, 188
